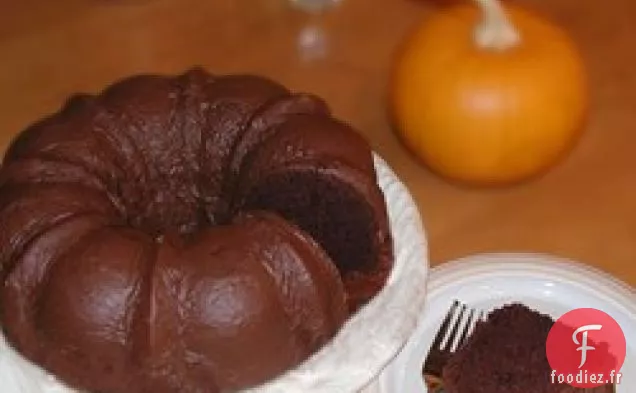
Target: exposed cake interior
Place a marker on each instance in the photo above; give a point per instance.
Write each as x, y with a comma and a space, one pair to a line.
333, 213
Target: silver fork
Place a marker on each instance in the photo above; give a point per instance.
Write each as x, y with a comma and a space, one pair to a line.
456, 327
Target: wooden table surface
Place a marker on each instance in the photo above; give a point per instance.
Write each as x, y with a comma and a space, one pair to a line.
584, 209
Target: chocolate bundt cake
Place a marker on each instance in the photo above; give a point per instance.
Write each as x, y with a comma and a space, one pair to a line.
507, 354
194, 233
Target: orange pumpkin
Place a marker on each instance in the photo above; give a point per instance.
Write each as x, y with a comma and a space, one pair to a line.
488, 94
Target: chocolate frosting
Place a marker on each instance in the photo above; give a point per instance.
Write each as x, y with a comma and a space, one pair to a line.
131, 258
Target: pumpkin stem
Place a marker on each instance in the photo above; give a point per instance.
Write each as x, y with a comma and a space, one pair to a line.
495, 30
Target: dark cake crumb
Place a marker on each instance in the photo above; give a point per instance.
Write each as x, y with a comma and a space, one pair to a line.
326, 209
506, 354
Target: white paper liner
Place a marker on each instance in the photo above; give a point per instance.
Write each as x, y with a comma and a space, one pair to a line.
363, 347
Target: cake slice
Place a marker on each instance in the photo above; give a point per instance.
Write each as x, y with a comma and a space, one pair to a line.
506, 354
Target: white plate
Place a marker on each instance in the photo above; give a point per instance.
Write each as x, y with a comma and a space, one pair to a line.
548, 284
362, 348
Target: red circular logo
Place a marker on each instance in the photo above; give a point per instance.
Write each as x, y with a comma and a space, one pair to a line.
586, 348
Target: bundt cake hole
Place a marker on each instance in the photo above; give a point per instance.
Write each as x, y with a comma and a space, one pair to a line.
332, 213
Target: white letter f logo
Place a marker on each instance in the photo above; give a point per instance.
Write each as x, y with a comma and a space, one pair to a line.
584, 347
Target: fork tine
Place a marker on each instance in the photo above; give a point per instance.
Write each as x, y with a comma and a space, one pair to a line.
457, 326
477, 317
443, 329
452, 333
468, 326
